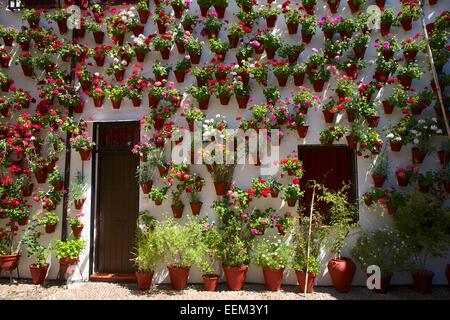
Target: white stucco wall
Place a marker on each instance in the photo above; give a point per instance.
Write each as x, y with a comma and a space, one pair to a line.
244, 173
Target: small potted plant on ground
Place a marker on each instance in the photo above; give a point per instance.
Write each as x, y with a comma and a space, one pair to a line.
424, 224
273, 257
146, 254
384, 248
68, 252
49, 221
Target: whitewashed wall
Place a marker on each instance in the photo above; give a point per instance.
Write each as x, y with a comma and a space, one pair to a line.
244, 173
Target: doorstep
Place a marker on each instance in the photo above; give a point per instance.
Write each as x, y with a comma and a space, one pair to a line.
113, 277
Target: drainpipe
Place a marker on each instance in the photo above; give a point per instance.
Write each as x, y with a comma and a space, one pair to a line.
433, 71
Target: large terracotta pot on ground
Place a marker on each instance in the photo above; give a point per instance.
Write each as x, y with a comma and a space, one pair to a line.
342, 272
144, 280
38, 273
273, 278
210, 281
301, 279
235, 277
178, 277
423, 280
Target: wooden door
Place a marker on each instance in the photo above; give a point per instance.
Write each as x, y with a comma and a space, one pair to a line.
117, 196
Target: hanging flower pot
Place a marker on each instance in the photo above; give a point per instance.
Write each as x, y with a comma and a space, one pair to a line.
220, 10
50, 228
98, 101
328, 116
8, 40
282, 80
9, 262
301, 279
179, 75
38, 273
136, 102
380, 3
410, 55
177, 212
242, 101
140, 55
178, 277
153, 101
23, 222
417, 155
270, 52
76, 231
144, 280
271, 21
28, 190
210, 281
373, 121
79, 107
299, 79
146, 187
203, 10
27, 70
342, 272
406, 24
224, 99
380, 76
395, 146
233, 40
352, 71
235, 277
163, 171
137, 30
333, 6
195, 58
378, 181
165, 53
62, 26
99, 36
444, 157
85, 155
79, 203
221, 188
423, 280
402, 180
143, 16
273, 278
119, 39
388, 54
354, 7
292, 28
41, 176
274, 193
66, 262
119, 75
58, 185
159, 123
302, 131
352, 142
116, 103
196, 207
291, 203
318, 85
388, 107
306, 37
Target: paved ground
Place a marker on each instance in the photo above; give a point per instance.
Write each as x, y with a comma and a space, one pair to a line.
108, 291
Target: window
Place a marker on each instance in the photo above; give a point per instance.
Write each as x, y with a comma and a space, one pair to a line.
331, 166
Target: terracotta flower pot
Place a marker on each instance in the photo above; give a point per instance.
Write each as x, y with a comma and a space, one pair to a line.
328, 116
380, 3
27, 70
221, 188
299, 79
178, 277
273, 278
342, 272
274, 193
196, 208
144, 280
388, 107
220, 10
271, 21
423, 280
373, 121
79, 204
306, 37
242, 102
146, 187
270, 52
140, 55
352, 71
302, 131
384, 284
177, 212
62, 26
76, 231
282, 80
99, 37
402, 180
179, 75
301, 279
404, 81
406, 24
352, 142
318, 85
291, 203
38, 273
204, 11
395, 146
210, 281
28, 190
378, 181
66, 262
235, 277
292, 28
41, 176
380, 76
410, 55
195, 58
417, 155
143, 16
165, 53
333, 6
50, 228
9, 262
444, 157
233, 41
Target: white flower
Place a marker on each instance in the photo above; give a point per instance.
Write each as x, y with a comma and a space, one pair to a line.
390, 136
421, 121
439, 131
416, 141
433, 127
124, 63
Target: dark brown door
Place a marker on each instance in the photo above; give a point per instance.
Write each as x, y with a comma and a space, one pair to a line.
118, 196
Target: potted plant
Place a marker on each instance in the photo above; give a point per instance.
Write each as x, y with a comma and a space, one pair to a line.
144, 174
115, 94
163, 43
182, 68
304, 238
201, 94
59, 16
387, 19
208, 253
344, 216
291, 52
204, 6
292, 193
379, 170
194, 48
180, 249
384, 248
141, 46
318, 77
407, 73
384, 69
143, 11
424, 224
55, 179
147, 252
270, 14
202, 74
388, 47
189, 22
271, 44
309, 25
328, 136
158, 195
345, 88
8, 34
410, 12
68, 252
273, 257
330, 109
222, 175
292, 18
78, 190
412, 46
32, 16
212, 26
96, 28
220, 6
83, 144
49, 221
26, 61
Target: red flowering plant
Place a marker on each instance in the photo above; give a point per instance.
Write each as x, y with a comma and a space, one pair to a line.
387, 47
82, 142
293, 166
370, 142
161, 113
261, 187
99, 52
98, 86
284, 222
368, 89
117, 23
5, 57
334, 107
222, 88
260, 220
50, 198
136, 83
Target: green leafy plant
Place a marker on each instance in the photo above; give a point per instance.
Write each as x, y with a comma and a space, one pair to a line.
271, 253
33, 247
78, 188
69, 249
292, 192
147, 250
49, 219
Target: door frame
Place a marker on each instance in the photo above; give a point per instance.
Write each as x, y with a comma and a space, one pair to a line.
94, 246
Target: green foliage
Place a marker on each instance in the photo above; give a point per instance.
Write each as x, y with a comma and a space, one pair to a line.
69, 249
78, 188
209, 245
49, 219
271, 253
425, 225
34, 248
147, 250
